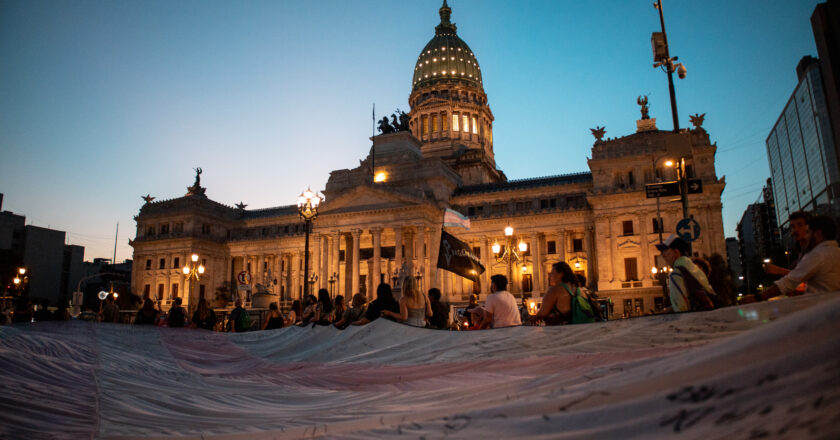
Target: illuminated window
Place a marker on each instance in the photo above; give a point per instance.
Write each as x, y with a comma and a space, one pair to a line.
630, 270
445, 121
434, 124
454, 122
466, 122
425, 125
474, 126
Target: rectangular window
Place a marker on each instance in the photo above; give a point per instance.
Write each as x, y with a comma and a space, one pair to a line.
148, 264
466, 123
627, 227
657, 226
174, 291
162, 263
630, 180
201, 291
630, 272
551, 247
471, 211
164, 229
455, 122
527, 283
474, 126
176, 263
150, 231
498, 209
477, 251
577, 245
425, 124
523, 206
628, 307
434, 124
445, 121
640, 306
147, 290
658, 303
205, 229
160, 292
179, 227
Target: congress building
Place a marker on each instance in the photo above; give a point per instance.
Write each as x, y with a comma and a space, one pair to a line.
383, 219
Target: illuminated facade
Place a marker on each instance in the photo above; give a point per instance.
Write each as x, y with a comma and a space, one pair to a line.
371, 230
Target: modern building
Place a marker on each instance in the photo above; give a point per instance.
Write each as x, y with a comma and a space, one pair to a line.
802, 147
733, 255
52, 268
382, 220
759, 238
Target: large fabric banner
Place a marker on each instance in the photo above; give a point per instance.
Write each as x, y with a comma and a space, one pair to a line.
763, 371
457, 257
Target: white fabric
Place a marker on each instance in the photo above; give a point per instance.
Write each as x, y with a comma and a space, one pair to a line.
767, 370
820, 268
503, 307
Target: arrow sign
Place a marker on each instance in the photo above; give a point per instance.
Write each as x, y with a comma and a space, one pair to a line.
688, 229
695, 186
664, 189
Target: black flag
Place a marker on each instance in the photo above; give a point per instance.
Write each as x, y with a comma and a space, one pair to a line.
457, 257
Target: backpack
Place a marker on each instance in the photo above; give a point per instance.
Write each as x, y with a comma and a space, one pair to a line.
596, 307
699, 299
582, 312
244, 321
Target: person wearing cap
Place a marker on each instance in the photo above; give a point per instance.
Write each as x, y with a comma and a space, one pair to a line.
676, 253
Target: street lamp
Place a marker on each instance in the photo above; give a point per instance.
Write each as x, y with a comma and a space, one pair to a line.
508, 254
308, 203
662, 58
193, 272
19, 280
333, 279
668, 163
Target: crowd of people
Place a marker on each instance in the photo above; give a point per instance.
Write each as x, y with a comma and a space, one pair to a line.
694, 284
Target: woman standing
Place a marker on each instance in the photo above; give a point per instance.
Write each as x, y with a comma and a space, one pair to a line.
414, 305
274, 318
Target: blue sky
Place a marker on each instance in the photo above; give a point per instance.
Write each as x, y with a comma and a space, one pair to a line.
102, 102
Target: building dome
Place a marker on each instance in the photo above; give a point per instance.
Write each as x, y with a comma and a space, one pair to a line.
446, 58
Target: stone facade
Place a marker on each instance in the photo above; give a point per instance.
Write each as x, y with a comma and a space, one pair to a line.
367, 232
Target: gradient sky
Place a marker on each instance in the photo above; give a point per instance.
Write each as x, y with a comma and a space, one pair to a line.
102, 102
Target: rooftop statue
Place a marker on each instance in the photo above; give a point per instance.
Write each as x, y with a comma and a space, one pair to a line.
241, 206
642, 101
399, 122
598, 132
196, 189
148, 198
697, 120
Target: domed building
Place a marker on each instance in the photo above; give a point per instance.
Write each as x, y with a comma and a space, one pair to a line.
382, 220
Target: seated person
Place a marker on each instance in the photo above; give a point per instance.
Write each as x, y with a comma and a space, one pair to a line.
500, 308
384, 301
353, 313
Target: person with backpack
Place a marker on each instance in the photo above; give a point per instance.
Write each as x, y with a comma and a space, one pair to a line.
176, 316
240, 319
688, 288
564, 303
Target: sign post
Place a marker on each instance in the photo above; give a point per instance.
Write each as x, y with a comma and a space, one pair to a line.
688, 229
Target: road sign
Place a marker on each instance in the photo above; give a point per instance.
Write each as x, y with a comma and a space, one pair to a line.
688, 229
244, 277
695, 186
662, 189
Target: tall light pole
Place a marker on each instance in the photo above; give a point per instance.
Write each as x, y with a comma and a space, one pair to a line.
662, 58
308, 203
192, 272
509, 254
668, 163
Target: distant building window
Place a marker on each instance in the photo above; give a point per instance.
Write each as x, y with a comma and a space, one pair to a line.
551, 247
627, 227
434, 124
577, 245
147, 290
445, 121
264, 232
475, 127
160, 292
548, 203
162, 263
205, 229
178, 227
466, 121
201, 291
455, 122
176, 262
150, 231
498, 209
657, 225
477, 251
523, 206
471, 211
148, 264
164, 229
425, 124
630, 179
630, 271
174, 291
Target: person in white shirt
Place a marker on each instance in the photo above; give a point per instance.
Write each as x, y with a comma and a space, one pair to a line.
820, 267
675, 251
500, 309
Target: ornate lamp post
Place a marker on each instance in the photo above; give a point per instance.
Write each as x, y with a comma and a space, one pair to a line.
308, 203
192, 272
19, 280
508, 254
333, 279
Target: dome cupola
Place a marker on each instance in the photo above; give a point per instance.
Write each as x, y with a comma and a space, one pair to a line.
446, 58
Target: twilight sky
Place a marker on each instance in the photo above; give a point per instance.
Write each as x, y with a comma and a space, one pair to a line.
102, 102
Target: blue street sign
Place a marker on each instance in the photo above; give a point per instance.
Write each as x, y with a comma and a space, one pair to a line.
688, 229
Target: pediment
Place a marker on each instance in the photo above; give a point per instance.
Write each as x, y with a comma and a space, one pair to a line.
369, 197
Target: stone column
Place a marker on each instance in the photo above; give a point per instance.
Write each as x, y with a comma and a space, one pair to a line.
376, 238
643, 243
419, 254
294, 272
408, 256
612, 245
536, 257
398, 256
561, 245
427, 261
335, 264
487, 261
324, 269
357, 235
434, 250
590, 255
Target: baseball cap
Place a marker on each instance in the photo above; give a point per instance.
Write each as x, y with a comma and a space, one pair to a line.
673, 242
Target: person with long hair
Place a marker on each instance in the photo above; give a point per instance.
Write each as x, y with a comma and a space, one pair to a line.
563, 288
353, 313
415, 307
294, 314
338, 304
204, 317
148, 314
323, 308
384, 301
274, 319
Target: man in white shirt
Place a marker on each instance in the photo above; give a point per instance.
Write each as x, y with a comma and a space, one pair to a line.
500, 309
820, 267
